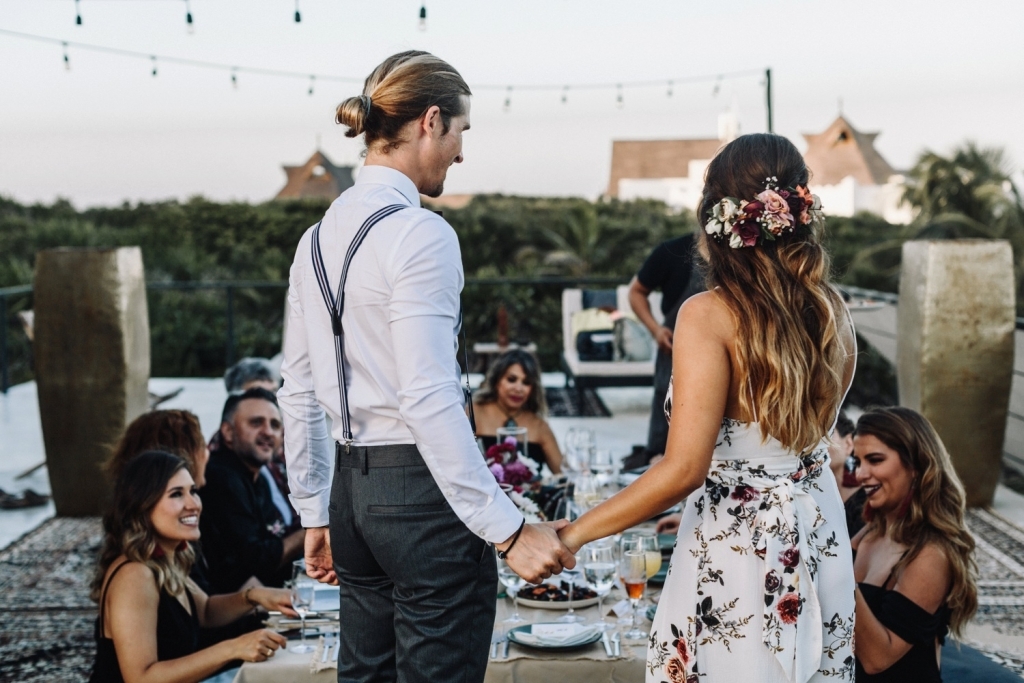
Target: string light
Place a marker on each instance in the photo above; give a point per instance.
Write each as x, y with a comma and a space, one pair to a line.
234, 78
312, 81
189, 26
618, 97
154, 65
67, 60
333, 78
298, 17
423, 17
718, 86
78, 14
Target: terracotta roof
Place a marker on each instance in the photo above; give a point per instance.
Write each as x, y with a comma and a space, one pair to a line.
656, 159
842, 151
318, 177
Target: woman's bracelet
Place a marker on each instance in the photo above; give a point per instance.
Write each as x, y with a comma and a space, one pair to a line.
253, 603
503, 554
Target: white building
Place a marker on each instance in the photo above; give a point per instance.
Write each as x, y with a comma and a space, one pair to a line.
847, 172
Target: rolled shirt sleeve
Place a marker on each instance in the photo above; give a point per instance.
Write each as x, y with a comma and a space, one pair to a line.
423, 314
308, 445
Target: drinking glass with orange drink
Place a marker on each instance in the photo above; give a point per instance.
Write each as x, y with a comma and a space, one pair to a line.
633, 572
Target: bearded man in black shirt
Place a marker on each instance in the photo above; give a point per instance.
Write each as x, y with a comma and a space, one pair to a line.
243, 533
672, 268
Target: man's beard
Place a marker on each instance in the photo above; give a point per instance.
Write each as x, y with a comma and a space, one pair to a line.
249, 455
435, 191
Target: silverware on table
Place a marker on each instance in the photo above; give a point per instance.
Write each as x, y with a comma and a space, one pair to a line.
327, 649
617, 643
607, 642
504, 648
337, 648
496, 639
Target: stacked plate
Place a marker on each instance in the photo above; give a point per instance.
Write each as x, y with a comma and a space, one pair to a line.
555, 636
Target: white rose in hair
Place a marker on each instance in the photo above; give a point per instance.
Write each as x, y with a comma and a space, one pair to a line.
735, 241
725, 210
714, 227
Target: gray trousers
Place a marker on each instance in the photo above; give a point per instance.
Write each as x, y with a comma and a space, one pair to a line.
418, 589
657, 431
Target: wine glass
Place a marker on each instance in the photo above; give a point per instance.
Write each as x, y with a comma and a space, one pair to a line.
600, 569
633, 571
585, 446
586, 492
302, 588
567, 507
572, 576
513, 584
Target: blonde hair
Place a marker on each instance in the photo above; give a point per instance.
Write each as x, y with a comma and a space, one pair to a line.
400, 90
935, 514
788, 346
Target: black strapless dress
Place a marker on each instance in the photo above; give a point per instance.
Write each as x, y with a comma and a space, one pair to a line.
913, 624
177, 635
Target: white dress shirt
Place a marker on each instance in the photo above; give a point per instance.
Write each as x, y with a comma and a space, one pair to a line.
401, 321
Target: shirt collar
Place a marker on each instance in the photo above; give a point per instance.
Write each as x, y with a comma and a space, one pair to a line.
385, 175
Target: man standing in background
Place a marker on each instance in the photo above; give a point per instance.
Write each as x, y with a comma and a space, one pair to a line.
673, 269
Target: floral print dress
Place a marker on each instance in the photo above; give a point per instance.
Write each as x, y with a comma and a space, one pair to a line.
760, 587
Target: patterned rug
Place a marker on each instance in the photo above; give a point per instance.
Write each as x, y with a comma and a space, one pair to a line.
46, 617
563, 402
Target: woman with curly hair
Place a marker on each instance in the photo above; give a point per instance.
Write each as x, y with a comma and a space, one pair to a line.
760, 587
150, 612
511, 395
914, 560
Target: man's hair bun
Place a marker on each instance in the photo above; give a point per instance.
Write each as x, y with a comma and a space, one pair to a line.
352, 113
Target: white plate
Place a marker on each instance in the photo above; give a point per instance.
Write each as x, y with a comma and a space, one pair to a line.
557, 604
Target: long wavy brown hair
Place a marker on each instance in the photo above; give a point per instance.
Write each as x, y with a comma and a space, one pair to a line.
936, 511
788, 346
128, 530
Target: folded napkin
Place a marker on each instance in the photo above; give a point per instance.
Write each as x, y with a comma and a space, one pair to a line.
556, 635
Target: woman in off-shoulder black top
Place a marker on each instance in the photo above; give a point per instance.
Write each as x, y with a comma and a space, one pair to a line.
913, 624
916, 538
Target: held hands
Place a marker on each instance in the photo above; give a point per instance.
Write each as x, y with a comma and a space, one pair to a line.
319, 562
258, 646
539, 553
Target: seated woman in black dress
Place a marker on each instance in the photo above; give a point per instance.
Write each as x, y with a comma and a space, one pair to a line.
914, 560
512, 396
149, 611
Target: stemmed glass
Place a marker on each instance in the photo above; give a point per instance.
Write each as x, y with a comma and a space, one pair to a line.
302, 590
600, 570
513, 584
633, 570
585, 491
572, 576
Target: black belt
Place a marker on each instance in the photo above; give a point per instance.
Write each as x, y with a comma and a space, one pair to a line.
366, 457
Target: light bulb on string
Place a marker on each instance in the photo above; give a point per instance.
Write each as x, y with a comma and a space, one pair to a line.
312, 82
717, 88
298, 16
189, 26
423, 17
508, 100
669, 93
154, 64
618, 97
78, 14
234, 78
67, 60
565, 94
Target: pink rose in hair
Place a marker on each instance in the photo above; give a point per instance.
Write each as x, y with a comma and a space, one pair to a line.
776, 208
748, 231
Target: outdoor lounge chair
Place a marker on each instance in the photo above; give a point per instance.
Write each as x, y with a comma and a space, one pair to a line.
583, 374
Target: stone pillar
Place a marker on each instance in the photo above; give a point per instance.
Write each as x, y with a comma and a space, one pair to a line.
91, 364
956, 324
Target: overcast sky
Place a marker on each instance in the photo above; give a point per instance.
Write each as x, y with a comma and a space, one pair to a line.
924, 74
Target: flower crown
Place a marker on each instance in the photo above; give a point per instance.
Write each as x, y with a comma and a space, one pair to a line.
773, 212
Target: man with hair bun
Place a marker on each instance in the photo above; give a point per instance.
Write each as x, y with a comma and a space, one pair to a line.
374, 312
